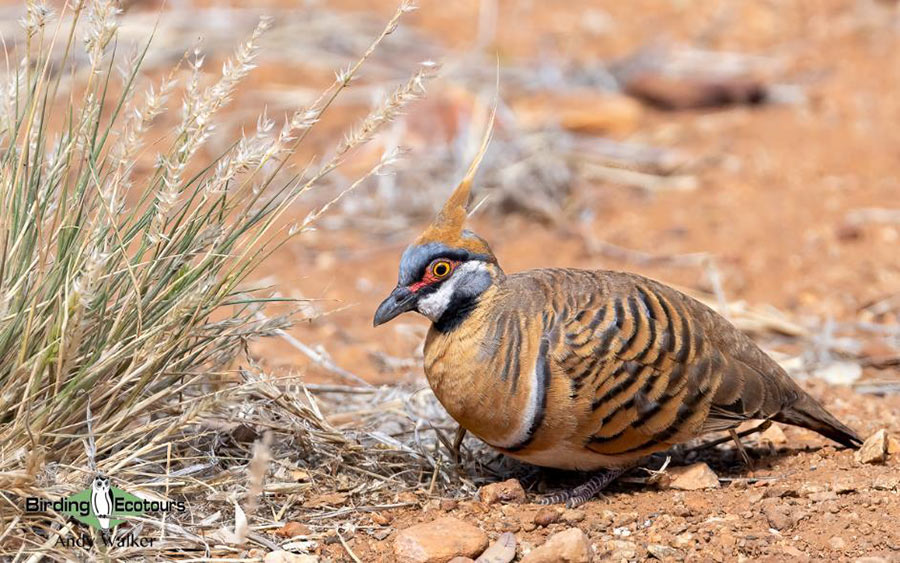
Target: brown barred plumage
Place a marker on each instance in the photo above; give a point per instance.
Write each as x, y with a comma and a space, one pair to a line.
584, 370
580, 369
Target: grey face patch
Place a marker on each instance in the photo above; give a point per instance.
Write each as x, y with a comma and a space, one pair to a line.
469, 281
416, 258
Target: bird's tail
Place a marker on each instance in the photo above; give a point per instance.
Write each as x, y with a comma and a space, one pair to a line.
808, 413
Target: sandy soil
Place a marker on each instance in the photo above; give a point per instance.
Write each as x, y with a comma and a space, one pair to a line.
803, 499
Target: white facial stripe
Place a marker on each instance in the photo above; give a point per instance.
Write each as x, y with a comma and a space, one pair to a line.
434, 305
523, 432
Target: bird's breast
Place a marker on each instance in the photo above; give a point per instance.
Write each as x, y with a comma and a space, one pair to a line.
495, 378
464, 368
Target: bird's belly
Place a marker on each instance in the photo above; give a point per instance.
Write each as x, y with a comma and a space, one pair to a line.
487, 411
569, 456
472, 387
480, 410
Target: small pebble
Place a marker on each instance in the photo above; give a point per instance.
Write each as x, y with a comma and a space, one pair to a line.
692, 478
438, 541
509, 491
663, 552
570, 546
546, 516
837, 543
572, 516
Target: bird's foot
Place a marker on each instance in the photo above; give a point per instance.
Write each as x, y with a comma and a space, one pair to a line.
576, 496
455, 451
740, 447
736, 436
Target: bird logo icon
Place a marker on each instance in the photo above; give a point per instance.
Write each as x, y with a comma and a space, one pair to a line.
101, 500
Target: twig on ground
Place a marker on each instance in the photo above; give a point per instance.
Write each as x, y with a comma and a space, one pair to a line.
347, 548
631, 156
317, 358
325, 388
715, 280
873, 215
642, 180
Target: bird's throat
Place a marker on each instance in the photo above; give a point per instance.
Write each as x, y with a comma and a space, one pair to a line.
459, 309
467, 297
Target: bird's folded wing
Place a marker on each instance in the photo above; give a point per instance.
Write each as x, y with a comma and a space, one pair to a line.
649, 366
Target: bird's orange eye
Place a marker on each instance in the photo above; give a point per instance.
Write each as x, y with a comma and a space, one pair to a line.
441, 268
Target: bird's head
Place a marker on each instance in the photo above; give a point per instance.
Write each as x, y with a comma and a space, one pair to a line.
447, 268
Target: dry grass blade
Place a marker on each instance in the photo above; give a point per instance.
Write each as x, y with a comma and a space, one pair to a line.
120, 307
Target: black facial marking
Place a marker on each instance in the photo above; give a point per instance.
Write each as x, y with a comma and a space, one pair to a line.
459, 308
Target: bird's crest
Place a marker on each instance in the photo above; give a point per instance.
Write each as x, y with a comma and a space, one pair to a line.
447, 227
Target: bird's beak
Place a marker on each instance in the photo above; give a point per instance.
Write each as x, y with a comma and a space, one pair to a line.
399, 301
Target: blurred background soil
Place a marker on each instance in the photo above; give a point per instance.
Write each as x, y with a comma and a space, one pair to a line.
744, 151
776, 194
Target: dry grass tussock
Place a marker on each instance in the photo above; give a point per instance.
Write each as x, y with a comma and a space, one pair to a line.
124, 299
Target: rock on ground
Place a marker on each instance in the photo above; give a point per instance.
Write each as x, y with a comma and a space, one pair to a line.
570, 546
893, 445
501, 551
506, 491
773, 435
692, 477
293, 529
663, 552
620, 550
837, 543
779, 516
874, 449
546, 516
439, 541
886, 483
